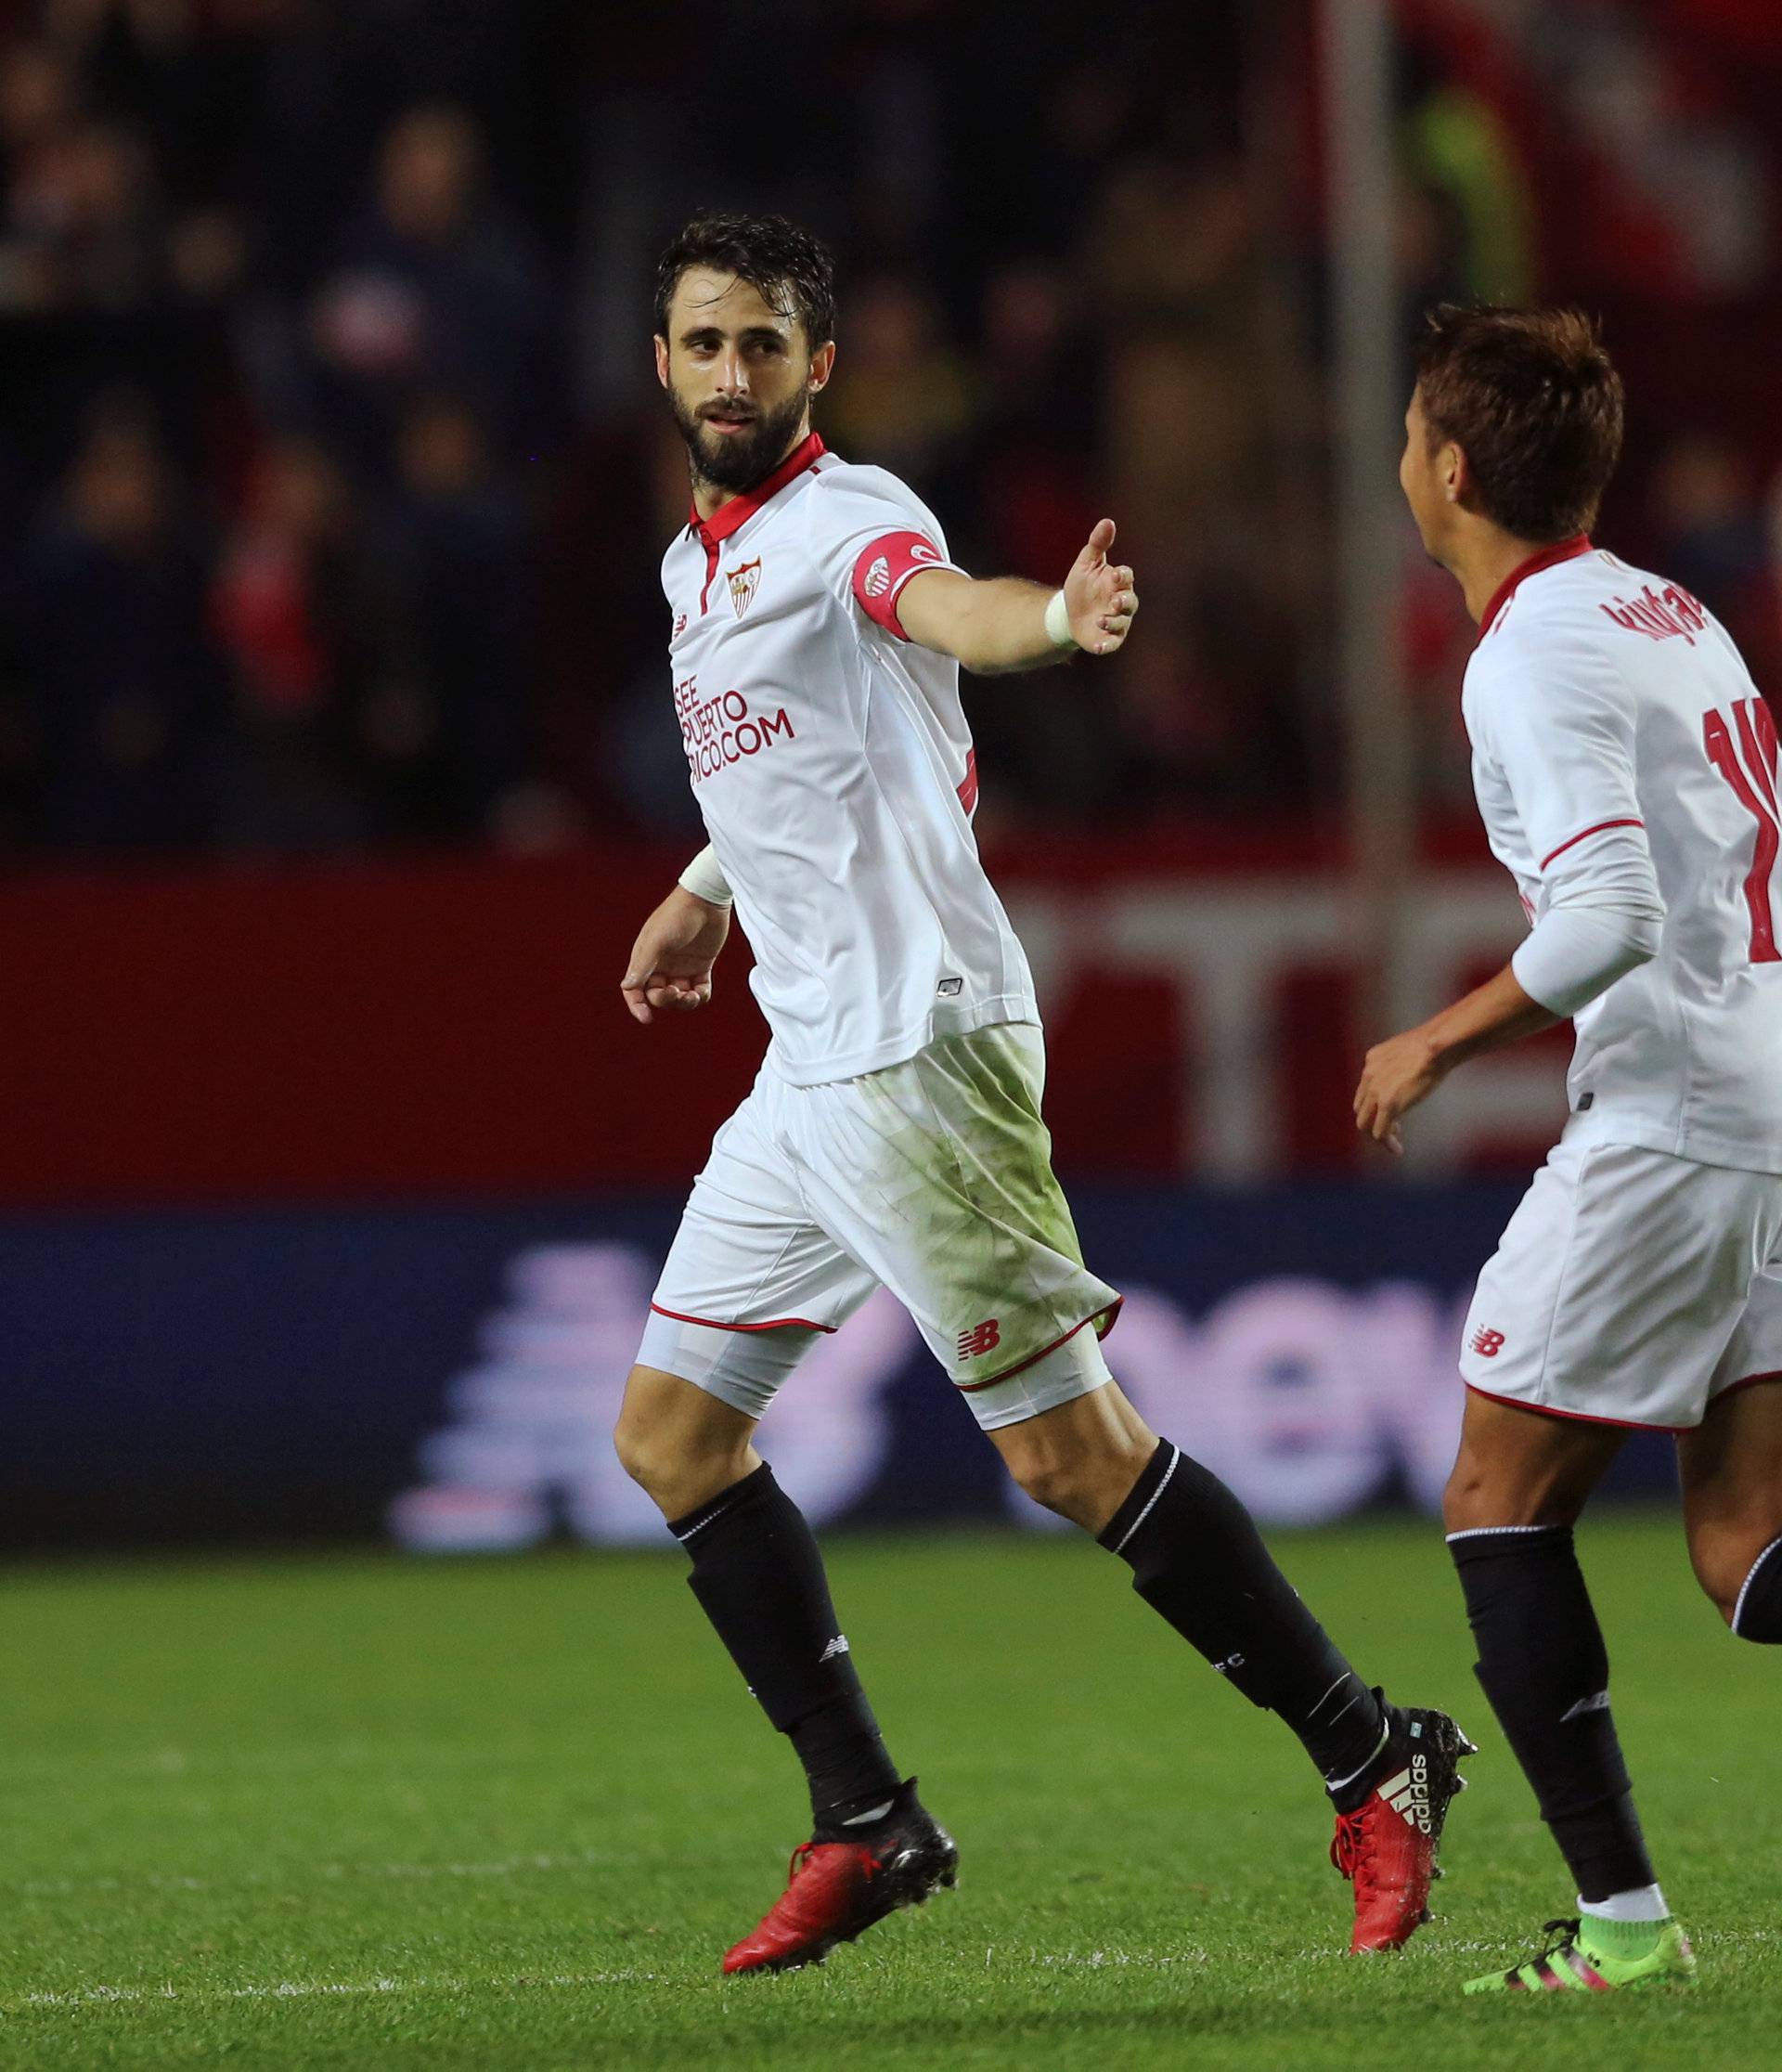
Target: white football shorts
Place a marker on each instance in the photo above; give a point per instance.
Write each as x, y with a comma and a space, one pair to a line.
932, 1177
1630, 1288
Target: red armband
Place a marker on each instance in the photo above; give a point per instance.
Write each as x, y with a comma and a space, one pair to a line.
884, 567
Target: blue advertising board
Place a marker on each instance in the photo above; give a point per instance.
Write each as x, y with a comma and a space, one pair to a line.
450, 1376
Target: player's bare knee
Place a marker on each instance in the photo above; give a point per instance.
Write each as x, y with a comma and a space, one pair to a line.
1048, 1481
1481, 1495
1085, 1483
680, 1447
642, 1451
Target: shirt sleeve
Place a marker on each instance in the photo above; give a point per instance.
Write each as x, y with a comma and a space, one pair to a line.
1562, 739
869, 541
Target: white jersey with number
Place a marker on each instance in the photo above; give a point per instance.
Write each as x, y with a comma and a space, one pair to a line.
832, 762
1608, 709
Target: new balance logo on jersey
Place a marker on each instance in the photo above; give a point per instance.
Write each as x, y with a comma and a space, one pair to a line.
836, 1647
1487, 1344
680, 625
1408, 1793
981, 1338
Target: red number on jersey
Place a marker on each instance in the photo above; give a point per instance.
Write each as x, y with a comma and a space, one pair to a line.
1753, 776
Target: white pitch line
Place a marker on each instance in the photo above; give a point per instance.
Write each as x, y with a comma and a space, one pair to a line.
290, 1989
156, 1881
1093, 1959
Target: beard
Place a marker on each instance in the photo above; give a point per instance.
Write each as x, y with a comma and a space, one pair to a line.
736, 461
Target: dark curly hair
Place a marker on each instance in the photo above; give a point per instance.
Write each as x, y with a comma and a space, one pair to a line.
1531, 397
786, 266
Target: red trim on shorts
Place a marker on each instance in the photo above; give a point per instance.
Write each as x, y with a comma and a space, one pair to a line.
1582, 1417
1745, 1382
774, 1324
1601, 827
1112, 1314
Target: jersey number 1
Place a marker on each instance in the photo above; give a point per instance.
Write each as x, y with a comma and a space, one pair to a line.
1753, 776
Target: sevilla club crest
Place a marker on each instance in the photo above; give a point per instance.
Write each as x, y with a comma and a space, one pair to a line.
743, 583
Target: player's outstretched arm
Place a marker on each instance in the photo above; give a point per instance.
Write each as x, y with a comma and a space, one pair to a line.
1001, 623
670, 971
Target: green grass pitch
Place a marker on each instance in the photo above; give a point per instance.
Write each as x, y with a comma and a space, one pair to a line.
364, 1813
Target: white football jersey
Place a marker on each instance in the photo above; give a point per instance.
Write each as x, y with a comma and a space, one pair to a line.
1605, 705
832, 762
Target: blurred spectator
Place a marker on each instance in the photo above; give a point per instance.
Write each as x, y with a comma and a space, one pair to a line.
119, 686
1709, 529
324, 245
1027, 487
902, 398
81, 225
458, 545
297, 618
436, 287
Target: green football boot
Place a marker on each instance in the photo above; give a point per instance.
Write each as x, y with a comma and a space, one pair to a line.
1594, 1956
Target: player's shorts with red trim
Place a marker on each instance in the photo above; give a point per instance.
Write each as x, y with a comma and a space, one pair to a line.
1630, 1288
932, 1178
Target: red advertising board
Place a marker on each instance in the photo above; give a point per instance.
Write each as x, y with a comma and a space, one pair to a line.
452, 1027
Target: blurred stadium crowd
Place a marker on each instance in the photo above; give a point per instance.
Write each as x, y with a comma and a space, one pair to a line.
333, 478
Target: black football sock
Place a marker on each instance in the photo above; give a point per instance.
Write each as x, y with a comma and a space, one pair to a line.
1198, 1560
1758, 1614
1544, 1667
758, 1575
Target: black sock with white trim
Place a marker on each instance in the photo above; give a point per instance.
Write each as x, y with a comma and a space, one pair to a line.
1199, 1561
759, 1576
1544, 1667
1758, 1614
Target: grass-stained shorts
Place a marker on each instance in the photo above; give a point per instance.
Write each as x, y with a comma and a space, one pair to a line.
1630, 1288
932, 1178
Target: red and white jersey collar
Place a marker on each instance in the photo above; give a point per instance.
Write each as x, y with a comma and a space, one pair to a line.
1547, 557
730, 517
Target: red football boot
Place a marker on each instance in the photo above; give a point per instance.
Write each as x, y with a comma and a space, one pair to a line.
837, 1889
1387, 1847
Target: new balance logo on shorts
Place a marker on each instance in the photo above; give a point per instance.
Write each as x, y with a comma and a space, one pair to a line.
982, 1338
1487, 1344
836, 1647
1408, 1793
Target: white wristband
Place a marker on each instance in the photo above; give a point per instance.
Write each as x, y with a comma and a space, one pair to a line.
1058, 622
704, 880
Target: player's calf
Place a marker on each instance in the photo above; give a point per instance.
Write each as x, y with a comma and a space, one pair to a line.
1745, 1589
1199, 1561
1543, 1665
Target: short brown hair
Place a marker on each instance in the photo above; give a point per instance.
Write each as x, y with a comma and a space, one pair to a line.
786, 267
1533, 401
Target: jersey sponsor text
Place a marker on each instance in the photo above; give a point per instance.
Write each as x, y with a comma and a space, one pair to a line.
722, 730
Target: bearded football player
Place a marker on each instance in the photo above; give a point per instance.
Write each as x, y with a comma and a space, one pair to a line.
894, 1136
